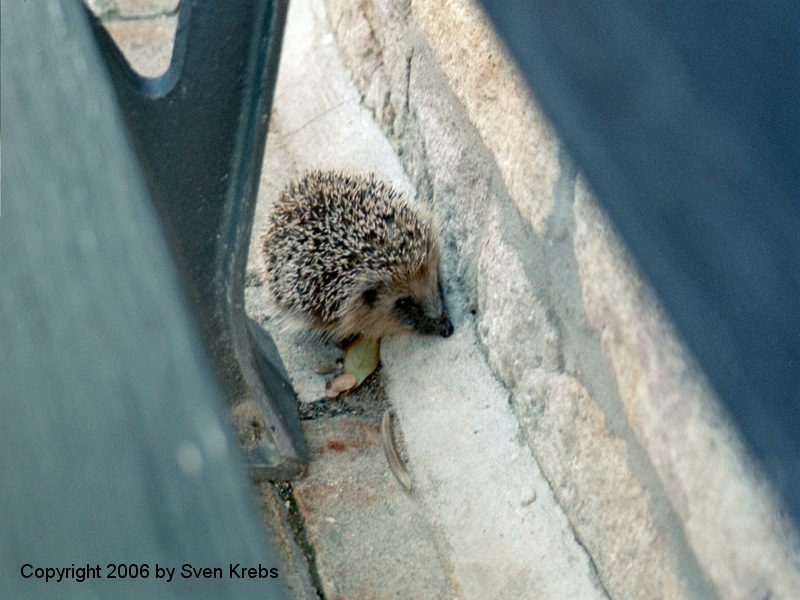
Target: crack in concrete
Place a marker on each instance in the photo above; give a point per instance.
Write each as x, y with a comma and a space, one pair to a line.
316, 118
406, 104
595, 573
298, 526
327, 408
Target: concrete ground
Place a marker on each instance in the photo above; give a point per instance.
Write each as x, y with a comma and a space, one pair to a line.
481, 521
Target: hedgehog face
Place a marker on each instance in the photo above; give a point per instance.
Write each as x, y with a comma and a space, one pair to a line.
419, 305
413, 314
413, 303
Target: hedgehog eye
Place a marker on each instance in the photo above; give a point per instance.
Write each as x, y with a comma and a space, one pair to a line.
404, 304
408, 311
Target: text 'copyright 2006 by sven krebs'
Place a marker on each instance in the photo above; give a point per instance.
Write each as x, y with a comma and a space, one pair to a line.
87, 572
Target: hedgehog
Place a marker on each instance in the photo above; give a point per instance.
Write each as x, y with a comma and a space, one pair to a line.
348, 256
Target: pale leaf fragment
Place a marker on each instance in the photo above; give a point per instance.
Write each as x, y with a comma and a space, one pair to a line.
361, 358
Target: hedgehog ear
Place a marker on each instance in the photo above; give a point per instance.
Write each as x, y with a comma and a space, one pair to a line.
370, 296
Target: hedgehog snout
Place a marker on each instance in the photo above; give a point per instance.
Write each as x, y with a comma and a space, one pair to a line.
445, 326
440, 325
433, 321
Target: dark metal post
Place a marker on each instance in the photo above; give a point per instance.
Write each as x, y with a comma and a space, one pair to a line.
199, 131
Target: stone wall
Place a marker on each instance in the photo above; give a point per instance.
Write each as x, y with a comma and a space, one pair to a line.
650, 473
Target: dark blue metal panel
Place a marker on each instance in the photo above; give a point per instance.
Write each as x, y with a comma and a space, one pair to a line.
114, 447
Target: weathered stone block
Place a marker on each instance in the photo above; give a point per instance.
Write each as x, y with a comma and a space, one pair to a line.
485, 80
